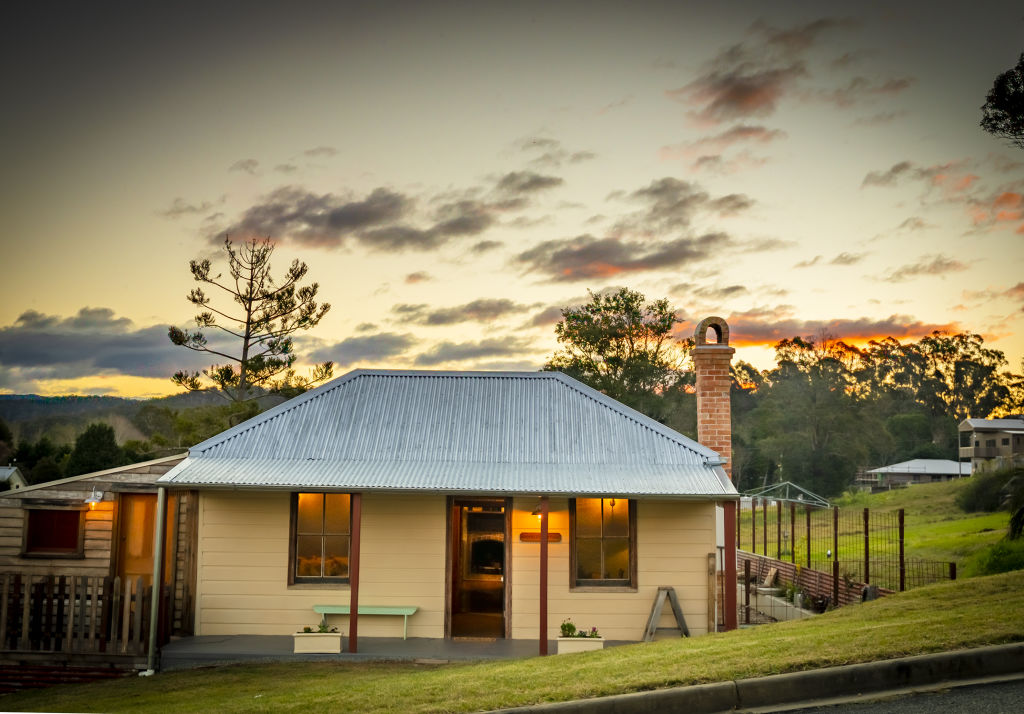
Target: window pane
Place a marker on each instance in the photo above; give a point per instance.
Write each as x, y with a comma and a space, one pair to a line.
310, 513
336, 556
588, 558
616, 558
588, 517
616, 517
336, 517
308, 556
52, 531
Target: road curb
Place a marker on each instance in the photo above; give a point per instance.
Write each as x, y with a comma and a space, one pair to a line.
847, 680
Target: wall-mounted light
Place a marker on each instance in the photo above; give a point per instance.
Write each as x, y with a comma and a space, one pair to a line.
93, 498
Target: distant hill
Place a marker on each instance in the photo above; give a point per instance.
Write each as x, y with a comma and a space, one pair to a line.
31, 416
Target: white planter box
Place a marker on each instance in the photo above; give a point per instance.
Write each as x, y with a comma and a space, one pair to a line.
567, 645
317, 642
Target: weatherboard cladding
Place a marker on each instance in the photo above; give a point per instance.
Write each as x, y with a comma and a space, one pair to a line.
455, 431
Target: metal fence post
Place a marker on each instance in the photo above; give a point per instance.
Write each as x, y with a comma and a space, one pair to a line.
867, 549
903, 564
807, 512
764, 525
778, 529
753, 525
952, 571
792, 532
746, 590
835, 556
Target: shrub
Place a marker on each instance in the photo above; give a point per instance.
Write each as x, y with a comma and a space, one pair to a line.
984, 491
1004, 556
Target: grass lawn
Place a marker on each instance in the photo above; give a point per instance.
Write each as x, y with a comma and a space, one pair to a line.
966, 613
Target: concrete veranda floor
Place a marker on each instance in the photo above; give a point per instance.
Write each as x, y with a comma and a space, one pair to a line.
191, 652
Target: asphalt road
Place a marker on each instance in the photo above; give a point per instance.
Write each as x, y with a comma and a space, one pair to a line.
1000, 698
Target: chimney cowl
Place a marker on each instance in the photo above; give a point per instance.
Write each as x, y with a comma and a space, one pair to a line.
718, 326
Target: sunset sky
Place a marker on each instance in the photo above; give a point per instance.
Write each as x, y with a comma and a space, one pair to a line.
456, 173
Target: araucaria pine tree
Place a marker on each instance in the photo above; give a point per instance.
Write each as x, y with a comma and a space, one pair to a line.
265, 315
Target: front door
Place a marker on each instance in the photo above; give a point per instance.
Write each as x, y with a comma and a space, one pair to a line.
478, 567
136, 523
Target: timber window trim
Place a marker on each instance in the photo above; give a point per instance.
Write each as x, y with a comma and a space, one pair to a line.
333, 533
627, 583
54, 533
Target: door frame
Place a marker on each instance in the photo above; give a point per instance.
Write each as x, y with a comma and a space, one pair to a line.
451, 548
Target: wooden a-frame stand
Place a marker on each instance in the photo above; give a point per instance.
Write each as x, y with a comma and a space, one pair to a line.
659, 605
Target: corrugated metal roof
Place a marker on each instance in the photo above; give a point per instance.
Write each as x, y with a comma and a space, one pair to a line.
462, 431
993, 424
925, 466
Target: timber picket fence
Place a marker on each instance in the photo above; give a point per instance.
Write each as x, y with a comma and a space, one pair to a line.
78, 614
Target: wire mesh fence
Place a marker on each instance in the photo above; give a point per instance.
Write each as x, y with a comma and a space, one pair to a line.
853, 548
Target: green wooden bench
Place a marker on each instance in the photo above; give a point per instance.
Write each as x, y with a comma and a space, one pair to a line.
404, 611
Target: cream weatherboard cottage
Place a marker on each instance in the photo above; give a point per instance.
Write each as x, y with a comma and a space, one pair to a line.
433, 491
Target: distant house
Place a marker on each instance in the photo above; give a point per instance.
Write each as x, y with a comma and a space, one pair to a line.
432, 490
992, 444
909, 472
11, 478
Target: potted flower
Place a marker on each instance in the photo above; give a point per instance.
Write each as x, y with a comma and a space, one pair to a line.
321, 639
572, 639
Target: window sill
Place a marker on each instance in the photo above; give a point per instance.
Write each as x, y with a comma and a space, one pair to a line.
319, 586
53, 556
602, 589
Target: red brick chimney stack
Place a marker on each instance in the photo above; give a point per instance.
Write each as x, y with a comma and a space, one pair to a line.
714, 430
711, 361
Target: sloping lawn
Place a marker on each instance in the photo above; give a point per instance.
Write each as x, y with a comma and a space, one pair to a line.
968, 613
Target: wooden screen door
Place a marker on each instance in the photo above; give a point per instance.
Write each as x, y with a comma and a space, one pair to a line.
478, 567
136, 522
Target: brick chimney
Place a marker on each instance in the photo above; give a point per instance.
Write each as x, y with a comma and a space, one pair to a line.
711, 363
714, 430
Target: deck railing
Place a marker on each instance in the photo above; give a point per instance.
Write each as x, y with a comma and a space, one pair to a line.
78, 614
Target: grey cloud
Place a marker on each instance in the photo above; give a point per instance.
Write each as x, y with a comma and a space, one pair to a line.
586, 257
552, 153
420, 276
750, 78
548, 316
365, 348
860, 88
94, 341
888, 177
913, 224
526, 182
808, 263
464, 351
485, 246
745, 133
180, 207
739, 93
366, 327
672, 204
847, 259
880, 119
327, 151
286, 168
318, 220
928, 265
248, 166
482, 310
